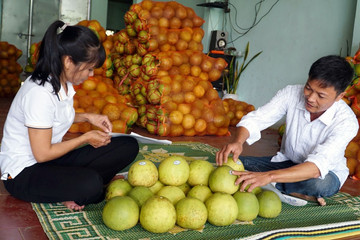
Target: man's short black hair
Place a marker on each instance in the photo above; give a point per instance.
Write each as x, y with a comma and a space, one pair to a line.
332, 71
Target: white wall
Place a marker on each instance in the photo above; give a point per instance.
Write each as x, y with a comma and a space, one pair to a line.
292, 36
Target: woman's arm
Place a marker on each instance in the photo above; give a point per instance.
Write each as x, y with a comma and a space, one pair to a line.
44, 150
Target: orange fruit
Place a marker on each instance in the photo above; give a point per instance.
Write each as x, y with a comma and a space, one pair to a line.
111, 99
219, 120
239, 114
222, 131
119, 126
207, 115
351, 150
74, 128
188, 121
196, 113
112, 111
94, 94
170, 106
89, 84
211, 94
199, 91
195, 71
92, 109
200, 125
189, 132
351, 164
84, 127
176, 130
79, 110
101, 87
178, 98
81, 92
188, 85
85, 101
176, 117
211, 129
99, 103
175, 86
184, 108
76, 103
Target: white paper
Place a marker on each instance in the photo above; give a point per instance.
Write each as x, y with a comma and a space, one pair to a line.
142, 139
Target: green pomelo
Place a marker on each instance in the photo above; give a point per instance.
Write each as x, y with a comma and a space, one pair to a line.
143, 173
140, 194
118, 187
174, 171
156, 187
200, 192
158, 215
222, 180
191, 213
222, 209
255, 191
269, 204
248, 205
237, 166
120, 213
200, 171
173, 193
185, 187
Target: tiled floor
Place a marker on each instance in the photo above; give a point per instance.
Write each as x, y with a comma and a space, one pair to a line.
19, 222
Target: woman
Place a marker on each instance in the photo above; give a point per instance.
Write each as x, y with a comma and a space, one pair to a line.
36, 165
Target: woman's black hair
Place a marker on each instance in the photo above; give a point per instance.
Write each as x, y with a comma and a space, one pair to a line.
333, 71
78, 42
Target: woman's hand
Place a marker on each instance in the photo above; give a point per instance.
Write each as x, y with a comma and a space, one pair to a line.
97, 138
98, 120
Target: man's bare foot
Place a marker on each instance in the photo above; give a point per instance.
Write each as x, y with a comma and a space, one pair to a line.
73, 206
320, 200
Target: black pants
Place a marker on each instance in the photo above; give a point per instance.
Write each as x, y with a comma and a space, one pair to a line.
78, 176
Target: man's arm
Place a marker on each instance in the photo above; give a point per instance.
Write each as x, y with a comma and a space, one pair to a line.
235, 147
300, 172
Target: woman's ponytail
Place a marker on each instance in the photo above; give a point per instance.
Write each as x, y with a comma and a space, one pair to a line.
49, 62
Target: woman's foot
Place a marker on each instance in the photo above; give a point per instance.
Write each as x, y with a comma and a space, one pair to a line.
320, 200
73, 206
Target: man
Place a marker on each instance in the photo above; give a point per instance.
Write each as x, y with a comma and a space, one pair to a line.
319, 126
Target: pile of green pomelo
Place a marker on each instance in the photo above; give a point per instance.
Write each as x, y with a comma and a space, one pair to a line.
183, 194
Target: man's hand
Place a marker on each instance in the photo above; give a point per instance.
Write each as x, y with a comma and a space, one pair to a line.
253, 179
97, 138
234, 148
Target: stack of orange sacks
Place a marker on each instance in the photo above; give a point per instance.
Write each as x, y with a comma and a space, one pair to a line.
160, 64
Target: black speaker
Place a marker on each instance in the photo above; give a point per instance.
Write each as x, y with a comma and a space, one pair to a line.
218, 40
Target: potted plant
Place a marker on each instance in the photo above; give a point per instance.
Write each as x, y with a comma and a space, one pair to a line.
232, 77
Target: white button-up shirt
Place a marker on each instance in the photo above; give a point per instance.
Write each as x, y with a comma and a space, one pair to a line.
34, 106
322, 141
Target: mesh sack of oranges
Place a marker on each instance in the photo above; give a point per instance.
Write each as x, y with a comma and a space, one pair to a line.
352, 155
10, 69
158, 59
235, 110
175, 105
98, 95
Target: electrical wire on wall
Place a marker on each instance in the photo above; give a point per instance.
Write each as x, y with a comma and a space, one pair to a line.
242, 31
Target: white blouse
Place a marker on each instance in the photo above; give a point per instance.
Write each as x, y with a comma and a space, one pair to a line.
34, 106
